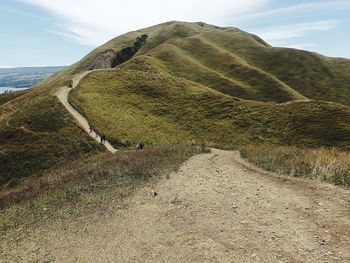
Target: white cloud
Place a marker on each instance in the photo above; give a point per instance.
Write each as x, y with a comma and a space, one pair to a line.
278, 35
94, 22
306, 7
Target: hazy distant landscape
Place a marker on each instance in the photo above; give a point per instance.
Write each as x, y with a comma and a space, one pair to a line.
24, 77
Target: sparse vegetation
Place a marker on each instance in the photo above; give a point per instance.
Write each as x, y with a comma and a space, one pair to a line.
88, 182
327, 164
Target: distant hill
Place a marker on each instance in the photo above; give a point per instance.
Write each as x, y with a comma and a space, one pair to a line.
179, 82
25, 76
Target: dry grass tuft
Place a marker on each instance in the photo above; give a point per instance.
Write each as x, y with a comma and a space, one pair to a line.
327, 164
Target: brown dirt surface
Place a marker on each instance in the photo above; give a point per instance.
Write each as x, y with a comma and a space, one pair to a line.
216, 208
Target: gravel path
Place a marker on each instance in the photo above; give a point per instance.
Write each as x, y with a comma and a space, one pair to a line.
216, 208
62, 95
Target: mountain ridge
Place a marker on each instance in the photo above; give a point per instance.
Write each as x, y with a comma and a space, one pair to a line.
188, 83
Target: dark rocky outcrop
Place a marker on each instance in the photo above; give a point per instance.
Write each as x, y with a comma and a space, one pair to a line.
111, 59
104, 60
127, 53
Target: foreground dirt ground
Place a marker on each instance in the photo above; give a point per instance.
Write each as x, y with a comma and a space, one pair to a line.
216, 208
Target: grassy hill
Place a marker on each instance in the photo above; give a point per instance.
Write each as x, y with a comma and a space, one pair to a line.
129, 105
37, 134
234, 62
178, 82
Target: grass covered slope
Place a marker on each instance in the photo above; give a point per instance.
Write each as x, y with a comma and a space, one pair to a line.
37, 134
184, 83
233, 62
130, 105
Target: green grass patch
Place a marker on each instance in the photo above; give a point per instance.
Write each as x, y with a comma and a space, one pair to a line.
129, 106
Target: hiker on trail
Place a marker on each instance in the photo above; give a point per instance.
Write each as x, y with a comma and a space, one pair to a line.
103, 138
96, 132
91, 128
140, 145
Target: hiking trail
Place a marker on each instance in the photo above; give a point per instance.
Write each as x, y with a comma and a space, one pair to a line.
216, 208
63, 94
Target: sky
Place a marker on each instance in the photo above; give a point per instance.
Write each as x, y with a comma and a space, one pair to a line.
60, 32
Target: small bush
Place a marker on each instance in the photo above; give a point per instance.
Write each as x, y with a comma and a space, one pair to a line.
327, 164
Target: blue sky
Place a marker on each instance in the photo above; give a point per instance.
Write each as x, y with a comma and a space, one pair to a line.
60, 32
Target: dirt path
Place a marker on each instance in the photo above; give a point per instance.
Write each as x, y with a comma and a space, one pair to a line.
213, 210
62, 95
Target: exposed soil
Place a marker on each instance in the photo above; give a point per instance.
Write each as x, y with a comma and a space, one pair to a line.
216, 208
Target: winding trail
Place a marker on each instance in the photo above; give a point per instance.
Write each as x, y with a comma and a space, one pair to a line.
216, 208
63, 94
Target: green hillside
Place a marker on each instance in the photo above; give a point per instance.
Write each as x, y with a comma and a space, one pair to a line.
234, 62
178, 82
37, 134
130, 105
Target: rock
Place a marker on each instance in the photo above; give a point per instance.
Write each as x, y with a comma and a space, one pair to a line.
322, 242
175, 201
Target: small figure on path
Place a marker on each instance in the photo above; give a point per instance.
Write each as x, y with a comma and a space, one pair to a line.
140, 145
96, 132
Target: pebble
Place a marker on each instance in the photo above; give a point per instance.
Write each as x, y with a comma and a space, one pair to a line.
322, 242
